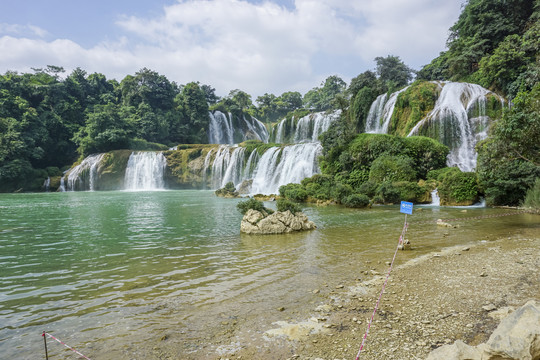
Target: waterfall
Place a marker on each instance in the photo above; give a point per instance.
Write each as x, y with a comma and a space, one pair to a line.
449, 122
62, 187
84, 175
380, 113
435, 199
47, 184
307, 128
281, 166
234, 167
223, 130
205, 168
375, 114
144, 171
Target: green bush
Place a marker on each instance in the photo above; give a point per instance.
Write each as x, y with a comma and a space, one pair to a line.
356, 201
387, 193
532, 199
392, 168
341, 191
369, 188
409, 191
427, 154
294, 192
227, 190
244, 206
284, 205
458, 188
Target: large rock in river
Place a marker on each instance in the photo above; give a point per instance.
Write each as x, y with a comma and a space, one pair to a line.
256, 222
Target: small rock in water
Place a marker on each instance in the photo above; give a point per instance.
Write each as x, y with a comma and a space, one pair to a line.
489, 307
466, 249
281, 308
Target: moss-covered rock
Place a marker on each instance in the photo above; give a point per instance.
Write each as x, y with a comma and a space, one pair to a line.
186, 166
413, 105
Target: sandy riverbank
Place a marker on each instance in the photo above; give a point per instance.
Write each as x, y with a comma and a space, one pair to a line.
458, 293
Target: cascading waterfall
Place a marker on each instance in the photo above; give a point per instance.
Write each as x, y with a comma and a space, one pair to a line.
306, 129
144, 171
281, 166
84, 175
222, 130
435, 199
380, 113
450, 122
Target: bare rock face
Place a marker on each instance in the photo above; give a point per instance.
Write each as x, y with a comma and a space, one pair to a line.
516, 338
255, 222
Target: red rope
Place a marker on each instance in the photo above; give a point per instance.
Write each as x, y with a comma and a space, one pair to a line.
401, 240
66, 345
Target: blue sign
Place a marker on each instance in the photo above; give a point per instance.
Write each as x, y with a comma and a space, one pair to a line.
406, 207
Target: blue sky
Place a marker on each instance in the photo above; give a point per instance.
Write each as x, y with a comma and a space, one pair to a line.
258, 46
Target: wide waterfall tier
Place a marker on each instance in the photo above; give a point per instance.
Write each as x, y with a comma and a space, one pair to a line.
144, 171
267, 172
458, 119
117, 170
231, 129
305, 129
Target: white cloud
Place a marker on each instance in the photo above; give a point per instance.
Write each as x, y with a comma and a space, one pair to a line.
257, 48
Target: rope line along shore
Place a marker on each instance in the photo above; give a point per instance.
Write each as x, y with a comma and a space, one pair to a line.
475, 217
401, 240
61, 342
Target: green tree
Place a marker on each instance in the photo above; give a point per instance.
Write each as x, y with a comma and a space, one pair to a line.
392, 72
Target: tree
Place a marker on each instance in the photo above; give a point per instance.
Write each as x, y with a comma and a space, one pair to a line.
392, 72
194, 108
241, 99
509, 161
322, 99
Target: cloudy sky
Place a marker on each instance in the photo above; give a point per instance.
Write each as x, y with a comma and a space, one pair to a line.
257, 46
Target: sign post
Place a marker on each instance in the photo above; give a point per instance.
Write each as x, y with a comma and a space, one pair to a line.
405, 208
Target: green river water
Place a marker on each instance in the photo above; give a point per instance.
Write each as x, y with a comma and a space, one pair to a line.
115, 273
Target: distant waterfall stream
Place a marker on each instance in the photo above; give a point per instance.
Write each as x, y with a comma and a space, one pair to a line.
144, 171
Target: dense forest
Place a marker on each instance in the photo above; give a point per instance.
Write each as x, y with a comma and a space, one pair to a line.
49, 119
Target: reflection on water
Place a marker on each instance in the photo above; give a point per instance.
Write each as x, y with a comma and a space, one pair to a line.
106, 271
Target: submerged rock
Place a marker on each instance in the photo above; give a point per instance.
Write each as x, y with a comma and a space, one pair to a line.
255, 222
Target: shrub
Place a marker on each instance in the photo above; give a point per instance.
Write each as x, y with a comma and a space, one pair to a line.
294, 192
392, 168
227, 190
341, 191
457, 187
284, 205
532, 199
427, 154
387, 193
244, 206
409, 191
368, 188
356, 201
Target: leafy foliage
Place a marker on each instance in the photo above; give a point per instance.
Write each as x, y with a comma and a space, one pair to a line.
244, 206
287, 205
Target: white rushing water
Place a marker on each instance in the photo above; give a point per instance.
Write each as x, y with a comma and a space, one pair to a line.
144, 171
435, 199
281, 166
223, 130
450, 122
84, 176
380, 113
306, 129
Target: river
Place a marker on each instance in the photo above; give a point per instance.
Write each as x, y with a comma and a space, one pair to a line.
121, 275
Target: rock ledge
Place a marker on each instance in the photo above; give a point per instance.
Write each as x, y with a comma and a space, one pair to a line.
256, 222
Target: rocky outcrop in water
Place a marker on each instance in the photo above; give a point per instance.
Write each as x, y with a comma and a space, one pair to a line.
516, 338
256, 222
